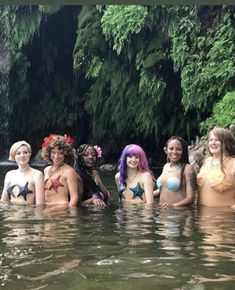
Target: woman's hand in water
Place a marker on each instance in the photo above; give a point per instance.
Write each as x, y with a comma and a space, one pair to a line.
98, 202
165, 205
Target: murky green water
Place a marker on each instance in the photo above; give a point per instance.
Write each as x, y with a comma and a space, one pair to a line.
119, 247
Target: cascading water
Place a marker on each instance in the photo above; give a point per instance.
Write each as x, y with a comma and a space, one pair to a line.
4, 122
5, 66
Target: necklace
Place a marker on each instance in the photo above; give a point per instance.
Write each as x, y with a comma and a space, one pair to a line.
172, 168
215, 163
131, 178
24, 169
52, 170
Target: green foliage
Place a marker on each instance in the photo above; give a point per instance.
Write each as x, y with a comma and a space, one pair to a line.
120, 22
94, 67
161, 67
203, 57
19, 24
223, 113
40, 96
89, 37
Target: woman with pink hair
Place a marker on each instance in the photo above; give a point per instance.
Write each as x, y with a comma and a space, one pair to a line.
134, 180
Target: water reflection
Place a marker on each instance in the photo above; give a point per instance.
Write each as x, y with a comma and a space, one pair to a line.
118, 247
216, 226
24, 225
36, 245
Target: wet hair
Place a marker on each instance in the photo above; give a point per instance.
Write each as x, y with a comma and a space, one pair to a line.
89, 185
59, 141
16, 146
130, 150
184, 158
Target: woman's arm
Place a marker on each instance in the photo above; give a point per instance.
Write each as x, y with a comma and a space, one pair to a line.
72, 181
117, 179
39, 188
156, 192
4, 197
190, 186
101, 185
148, 187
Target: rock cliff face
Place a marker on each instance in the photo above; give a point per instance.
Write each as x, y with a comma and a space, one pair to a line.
198, 151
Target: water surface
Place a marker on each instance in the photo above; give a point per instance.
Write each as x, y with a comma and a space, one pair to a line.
120, 247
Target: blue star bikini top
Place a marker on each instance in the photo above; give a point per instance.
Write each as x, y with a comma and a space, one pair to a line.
23, 190
137, 191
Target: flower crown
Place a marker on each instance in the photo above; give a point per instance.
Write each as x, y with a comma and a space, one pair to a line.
52, 137
98, 151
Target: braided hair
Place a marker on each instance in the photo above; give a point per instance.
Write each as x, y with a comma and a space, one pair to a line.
90, 187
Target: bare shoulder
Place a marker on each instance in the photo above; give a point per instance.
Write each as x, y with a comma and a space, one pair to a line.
117, 176
10, 174
231, 164
37, 173
46, 169
146, 176
69, 170
189, 168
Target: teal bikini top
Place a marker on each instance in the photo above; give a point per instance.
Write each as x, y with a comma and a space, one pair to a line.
173, 183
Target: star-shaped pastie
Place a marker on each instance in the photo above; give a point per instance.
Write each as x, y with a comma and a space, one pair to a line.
137, 191
24, 190
55, 183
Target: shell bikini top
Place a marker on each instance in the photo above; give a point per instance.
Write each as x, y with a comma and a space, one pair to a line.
170, 178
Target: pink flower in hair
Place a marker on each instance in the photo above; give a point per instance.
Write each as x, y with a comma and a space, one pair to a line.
98, 151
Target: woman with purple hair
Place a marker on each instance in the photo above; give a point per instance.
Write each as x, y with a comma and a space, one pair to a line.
134, 180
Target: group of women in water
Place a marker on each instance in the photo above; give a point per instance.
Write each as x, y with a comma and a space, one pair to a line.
71, 177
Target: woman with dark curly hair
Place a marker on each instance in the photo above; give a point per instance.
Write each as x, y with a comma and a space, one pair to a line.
61, 180
93, 191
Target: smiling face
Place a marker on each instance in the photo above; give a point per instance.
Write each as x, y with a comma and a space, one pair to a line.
133, 161
22, 155
174, 151
57, 156
89, 157
214, 145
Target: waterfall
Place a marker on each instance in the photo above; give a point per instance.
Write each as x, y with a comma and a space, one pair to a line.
4, 120
5, 66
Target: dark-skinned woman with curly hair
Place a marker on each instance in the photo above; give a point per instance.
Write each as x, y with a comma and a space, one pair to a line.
91, 189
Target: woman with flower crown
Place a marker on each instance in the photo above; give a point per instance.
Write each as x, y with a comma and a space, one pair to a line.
91, 188
60, 178
24, 185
